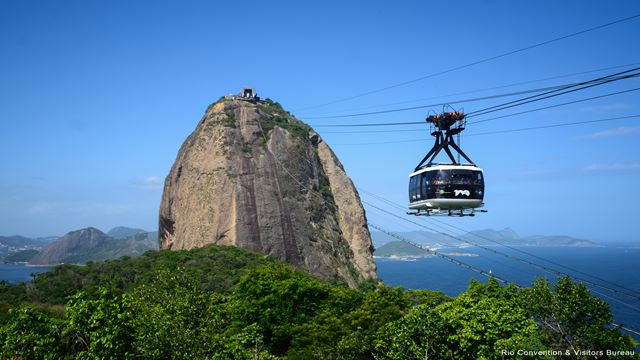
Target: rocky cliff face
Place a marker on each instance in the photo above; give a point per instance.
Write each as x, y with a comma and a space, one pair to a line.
253, 176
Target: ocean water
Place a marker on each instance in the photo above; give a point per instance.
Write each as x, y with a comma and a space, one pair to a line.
15, 273
618, 265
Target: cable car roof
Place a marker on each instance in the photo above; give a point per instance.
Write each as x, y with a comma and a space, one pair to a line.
446, 167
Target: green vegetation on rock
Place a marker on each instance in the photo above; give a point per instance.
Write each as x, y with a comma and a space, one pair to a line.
20, 256
400, 249
284, 120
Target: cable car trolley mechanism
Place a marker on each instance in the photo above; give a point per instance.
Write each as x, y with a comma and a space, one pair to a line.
453, 189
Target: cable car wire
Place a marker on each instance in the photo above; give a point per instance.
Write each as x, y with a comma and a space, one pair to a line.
488, 97
477, 134
469, 91
491, 275
554, 106
484, 120
475, 62
552, 126
443, 256
553, 93
373, 124
546, 90
484, 133
634, 293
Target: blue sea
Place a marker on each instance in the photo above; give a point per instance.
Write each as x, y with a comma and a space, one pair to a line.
618, 265
15, 273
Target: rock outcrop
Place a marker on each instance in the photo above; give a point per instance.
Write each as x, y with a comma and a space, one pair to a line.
70, 245
91, 244
253, 176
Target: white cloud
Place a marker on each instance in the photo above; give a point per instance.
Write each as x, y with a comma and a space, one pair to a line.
150, 182
623, 130
612, 167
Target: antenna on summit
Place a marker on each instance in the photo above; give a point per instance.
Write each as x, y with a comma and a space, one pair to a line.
247, 94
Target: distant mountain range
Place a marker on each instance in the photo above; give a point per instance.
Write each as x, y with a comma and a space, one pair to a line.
91, 244
79, 246
15, 243
487, 237
121, 232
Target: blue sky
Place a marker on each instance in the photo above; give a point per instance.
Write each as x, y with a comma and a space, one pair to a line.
97, 97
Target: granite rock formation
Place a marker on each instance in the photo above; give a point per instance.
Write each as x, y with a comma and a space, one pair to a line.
253, 176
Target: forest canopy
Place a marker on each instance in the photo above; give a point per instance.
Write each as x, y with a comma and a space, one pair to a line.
225, 303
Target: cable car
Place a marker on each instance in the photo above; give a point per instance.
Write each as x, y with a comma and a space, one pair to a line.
453, 189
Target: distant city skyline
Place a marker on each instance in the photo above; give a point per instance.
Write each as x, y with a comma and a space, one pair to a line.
96, 99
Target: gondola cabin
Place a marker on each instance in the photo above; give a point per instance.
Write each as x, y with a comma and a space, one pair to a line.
446, 188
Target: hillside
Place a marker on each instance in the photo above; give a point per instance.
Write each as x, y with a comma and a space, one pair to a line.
121, 232
215, 267
20, 256
400, 249
11, 244
484, 237
91, 244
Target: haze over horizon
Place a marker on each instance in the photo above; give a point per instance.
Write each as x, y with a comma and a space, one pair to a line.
96, 99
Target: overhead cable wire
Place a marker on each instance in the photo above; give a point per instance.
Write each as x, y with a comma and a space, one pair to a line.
555, 106
470, 91
400, 207
627, 329
546, 90
552, 126
511, 257
553, 93
484, 120
373, 131
482, 133
490, 274
485, 133
373, 124
488, 97
555, 263
443, 256
631, 292
632, 17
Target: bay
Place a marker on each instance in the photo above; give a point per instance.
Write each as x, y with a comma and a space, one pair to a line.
16, 273
612, 264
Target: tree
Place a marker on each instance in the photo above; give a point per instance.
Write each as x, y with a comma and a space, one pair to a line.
30, 333
99, 328
572, 318
480, 323
277, 298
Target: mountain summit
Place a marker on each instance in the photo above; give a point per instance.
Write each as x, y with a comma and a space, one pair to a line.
253, 176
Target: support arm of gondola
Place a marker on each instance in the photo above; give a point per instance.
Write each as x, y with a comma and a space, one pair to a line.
432, 153
446, 148
457, 148
444, 137
433, 157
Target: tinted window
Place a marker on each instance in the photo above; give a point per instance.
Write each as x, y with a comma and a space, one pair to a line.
412, 188
458, 177
424, 184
